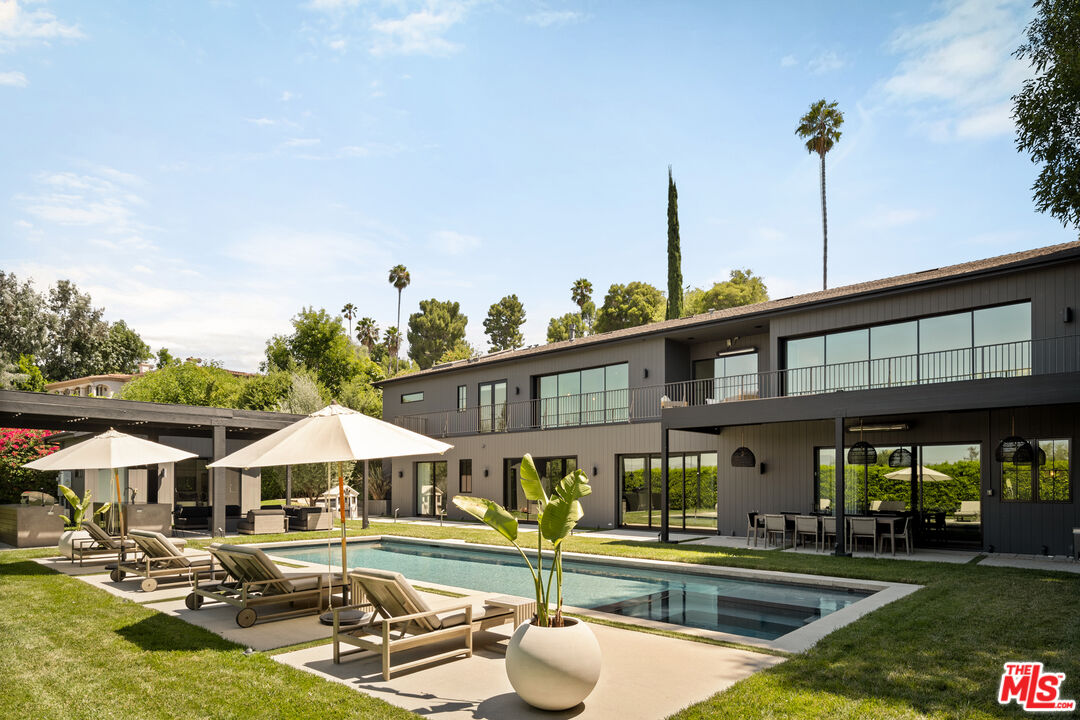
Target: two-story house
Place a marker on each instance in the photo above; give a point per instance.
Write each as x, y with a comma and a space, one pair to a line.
951, 395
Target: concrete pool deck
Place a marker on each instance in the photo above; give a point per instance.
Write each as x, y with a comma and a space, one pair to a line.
676, 673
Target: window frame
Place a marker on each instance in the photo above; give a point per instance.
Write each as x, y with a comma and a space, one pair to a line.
1035, 481
463, 487
412, 399
462, 397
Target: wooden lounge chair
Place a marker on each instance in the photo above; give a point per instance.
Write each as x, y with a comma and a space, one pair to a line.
401, 619
255, 581
100, 543
161, 558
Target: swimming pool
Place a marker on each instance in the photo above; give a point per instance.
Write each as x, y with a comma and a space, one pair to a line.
753, 608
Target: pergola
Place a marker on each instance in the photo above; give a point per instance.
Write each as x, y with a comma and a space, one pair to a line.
42, 411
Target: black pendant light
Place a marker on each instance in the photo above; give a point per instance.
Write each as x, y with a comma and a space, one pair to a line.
862, 453
1040, 457
1008, 449
900, 457
743, 457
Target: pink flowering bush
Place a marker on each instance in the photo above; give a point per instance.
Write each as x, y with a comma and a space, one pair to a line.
17, 447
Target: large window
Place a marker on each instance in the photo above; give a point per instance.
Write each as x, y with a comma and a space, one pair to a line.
551, 470
462, 397
431, 488
1051, 480
584, 397
734, 377
492, 410
691, 490
191, 482
990, 342
412, 397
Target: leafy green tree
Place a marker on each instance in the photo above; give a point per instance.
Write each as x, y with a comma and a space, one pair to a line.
349, 312
630, 305
76, 334
367, 333
319, 343
392, 343
820, 128
24, 319
186, 384
165, 358
400, 279
581, 294
304, 396
265, 392
503, 324
23, 375
122, 350
461, 351
674, 253
435, 329
559, 328
359, 395
743, 288
1047, 109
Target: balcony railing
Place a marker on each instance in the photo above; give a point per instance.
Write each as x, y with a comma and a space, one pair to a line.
1005, 360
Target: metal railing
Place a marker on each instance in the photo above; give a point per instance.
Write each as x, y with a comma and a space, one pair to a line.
1004, 360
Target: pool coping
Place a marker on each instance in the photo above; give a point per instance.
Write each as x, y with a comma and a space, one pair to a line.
796, 641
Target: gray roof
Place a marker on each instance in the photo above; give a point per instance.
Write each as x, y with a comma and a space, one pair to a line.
1037, 256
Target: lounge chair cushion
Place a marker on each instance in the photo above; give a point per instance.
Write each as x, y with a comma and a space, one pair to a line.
156, 545
479, 612
391, 592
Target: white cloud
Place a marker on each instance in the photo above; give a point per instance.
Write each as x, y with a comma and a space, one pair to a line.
889, 218
261, 122
421, 32
449, 242
826, 62
13, 78
301, 142
286, 96
338, 44
957, 72
788, 61
19, 26
103, 202
547, 18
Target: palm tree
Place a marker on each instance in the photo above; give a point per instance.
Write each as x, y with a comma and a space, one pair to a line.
349, 311
367, 333
581, 292
820, 127
399, 278
392, 340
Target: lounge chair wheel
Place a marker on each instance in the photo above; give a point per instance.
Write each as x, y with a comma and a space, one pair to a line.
245, 618
193, 601
148, 585
117, 575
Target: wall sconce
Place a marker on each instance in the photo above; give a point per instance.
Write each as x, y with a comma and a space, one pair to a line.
594, 471
761, 468
485, 472
517, 390
401, 473
645, 373
1066, 315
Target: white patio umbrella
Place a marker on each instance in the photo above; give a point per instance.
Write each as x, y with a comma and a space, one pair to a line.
111, 450
334, 434
923, 474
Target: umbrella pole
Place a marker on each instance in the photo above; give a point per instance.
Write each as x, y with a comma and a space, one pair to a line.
119, 504
344, 549
364, 488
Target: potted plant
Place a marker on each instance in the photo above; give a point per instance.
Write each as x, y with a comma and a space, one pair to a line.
553, 662
74, 529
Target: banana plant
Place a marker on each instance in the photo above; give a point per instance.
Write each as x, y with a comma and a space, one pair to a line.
557, 516
79, 507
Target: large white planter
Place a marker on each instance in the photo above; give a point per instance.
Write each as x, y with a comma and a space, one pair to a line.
68, 538
553, 668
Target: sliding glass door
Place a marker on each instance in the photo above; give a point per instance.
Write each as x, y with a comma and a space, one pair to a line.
691, 491
431, 488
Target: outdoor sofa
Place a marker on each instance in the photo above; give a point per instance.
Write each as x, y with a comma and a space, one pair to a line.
265, 521
401, 619
308, 518
254, 581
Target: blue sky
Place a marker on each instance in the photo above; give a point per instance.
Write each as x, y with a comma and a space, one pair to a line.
205, 169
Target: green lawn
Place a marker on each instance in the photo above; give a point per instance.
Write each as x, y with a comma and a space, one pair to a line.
937, 653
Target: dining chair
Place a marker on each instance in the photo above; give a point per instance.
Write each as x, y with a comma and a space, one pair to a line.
862, 527
753, 527
805, 525
902, 532
776, 525
828, 527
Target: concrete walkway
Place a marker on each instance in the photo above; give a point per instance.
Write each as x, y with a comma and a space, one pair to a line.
644, 676
1055, 563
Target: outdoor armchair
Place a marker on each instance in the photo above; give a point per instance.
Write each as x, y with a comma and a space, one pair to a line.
161, 558
262, 522
401, 619
255, 581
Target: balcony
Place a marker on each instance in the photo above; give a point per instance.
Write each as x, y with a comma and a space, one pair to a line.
1007, 360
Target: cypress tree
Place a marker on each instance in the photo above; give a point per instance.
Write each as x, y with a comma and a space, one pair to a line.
674, 254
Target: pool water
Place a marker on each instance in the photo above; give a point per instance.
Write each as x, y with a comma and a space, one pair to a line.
758, 609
